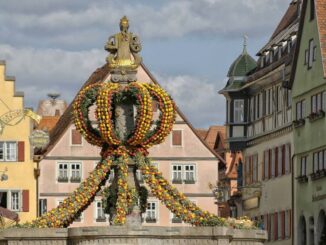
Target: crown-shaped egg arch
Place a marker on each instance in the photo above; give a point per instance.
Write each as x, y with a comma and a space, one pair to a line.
104, 95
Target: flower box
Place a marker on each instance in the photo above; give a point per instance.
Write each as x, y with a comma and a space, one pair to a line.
177, 181
299, 122
316, 115
302, 179
150, 220
75, 180
189, 181
318, 175
63, 179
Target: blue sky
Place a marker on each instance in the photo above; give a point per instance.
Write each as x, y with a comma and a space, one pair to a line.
54, 45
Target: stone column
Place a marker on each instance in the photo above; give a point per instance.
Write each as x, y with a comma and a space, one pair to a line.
124, 125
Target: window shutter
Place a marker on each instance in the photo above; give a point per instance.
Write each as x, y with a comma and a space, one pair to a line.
263, 167
76, 138
275, 227
177, 137
289, 156
21, 151
269, 163
283, 224
25, 200
283, 159
276, 161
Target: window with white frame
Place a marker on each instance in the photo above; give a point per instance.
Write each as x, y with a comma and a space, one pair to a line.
11, 199
176, 173
75, 172
300, 110
252, 115
260, 108
189, 173
267, 112
151, 212
238, 111
8, 151
100, 215
184, 172
303, 167
63, 171
15, 200
315, 162
69, 171
317, 102
319, 161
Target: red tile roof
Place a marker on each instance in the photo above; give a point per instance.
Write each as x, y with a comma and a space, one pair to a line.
321, 22
47, 123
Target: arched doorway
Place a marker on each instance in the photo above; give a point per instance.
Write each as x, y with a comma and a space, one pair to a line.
302, 231
321, 228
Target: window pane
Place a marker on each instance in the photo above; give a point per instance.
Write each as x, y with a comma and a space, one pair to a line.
314, 103
238, 110
320, 160
318, 102
324, 159
315, 162
324, 101
303, 166
11, 151
15, 201
1, 151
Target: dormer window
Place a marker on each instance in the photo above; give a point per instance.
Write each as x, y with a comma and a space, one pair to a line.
238, 111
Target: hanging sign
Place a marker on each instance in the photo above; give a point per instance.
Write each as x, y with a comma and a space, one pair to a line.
39, 138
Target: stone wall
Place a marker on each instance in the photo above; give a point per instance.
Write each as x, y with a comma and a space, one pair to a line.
137, 235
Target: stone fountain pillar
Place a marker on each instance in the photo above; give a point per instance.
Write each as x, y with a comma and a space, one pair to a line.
123, 61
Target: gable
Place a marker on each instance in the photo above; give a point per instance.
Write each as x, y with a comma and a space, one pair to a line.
194, 145
303, 78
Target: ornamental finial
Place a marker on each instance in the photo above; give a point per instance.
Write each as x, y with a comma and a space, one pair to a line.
245, 41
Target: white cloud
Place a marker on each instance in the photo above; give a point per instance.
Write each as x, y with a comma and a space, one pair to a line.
92, 21
196, 97
39, 72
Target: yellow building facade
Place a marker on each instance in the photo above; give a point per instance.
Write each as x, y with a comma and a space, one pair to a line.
18, 185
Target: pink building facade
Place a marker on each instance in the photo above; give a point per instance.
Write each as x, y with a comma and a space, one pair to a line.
183, 158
